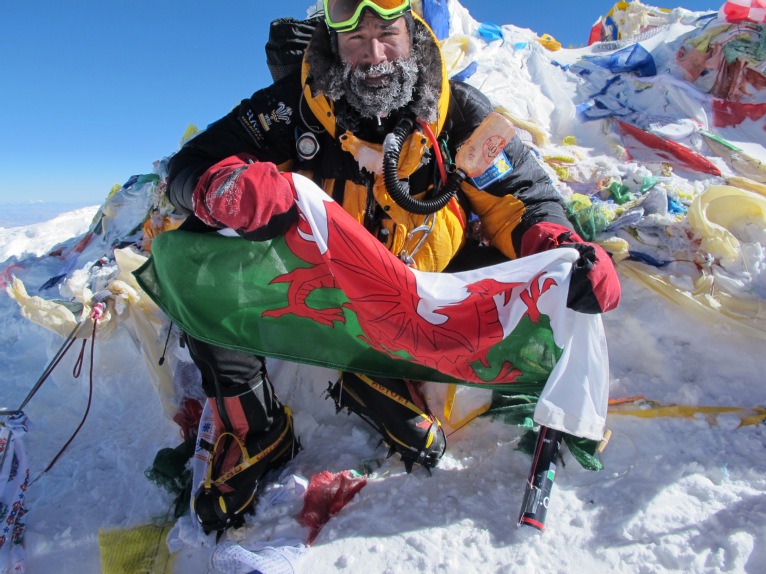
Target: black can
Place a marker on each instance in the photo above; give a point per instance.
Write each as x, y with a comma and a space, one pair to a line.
540, 483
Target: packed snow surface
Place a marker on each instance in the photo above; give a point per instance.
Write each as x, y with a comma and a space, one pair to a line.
682, 492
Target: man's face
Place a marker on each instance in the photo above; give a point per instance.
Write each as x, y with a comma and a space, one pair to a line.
374, 41
380, 72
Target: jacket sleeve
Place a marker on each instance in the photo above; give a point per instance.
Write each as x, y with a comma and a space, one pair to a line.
522, 197
262, 126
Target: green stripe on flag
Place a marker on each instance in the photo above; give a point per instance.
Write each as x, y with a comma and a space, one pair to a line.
217, 288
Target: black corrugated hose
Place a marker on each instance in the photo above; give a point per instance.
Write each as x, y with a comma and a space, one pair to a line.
392, 147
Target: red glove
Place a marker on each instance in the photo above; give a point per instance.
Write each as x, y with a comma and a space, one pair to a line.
249, 196
594, 286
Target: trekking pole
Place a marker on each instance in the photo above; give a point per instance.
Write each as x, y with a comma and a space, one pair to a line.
96, 300
538, 491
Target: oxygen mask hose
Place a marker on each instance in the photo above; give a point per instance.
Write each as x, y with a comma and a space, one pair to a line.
399, 192
472, 160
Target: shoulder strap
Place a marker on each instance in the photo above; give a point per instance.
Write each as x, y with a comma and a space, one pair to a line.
288, 40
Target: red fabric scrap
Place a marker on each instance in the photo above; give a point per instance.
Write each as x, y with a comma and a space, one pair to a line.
741, 10
595, 33
729, 82
727, 113
327, 494
670, 151
188, 417
693, 62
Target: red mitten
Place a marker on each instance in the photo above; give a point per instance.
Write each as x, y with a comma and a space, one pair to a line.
249, 196
594, 286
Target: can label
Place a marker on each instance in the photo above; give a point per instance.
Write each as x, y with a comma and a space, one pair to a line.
500, 168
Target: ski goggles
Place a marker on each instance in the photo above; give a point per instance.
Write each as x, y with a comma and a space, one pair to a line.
343, 15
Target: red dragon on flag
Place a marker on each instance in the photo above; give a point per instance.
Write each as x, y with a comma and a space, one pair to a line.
385, 295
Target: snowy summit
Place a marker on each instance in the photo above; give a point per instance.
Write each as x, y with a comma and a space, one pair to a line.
653, 134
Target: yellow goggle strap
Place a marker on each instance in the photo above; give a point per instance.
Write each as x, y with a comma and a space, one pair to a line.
343, 15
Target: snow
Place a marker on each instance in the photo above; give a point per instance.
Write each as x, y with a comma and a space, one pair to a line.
38, 238
677, 494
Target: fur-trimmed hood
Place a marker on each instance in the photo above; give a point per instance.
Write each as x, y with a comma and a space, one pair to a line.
322, 79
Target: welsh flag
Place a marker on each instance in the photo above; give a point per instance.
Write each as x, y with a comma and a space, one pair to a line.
327, 293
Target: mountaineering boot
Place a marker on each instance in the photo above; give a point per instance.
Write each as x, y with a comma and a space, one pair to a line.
235, 469
398, 411
255, 432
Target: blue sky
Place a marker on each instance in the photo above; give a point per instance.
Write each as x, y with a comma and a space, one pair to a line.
94, 91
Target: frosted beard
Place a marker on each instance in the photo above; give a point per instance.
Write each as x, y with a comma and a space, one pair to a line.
377, 90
